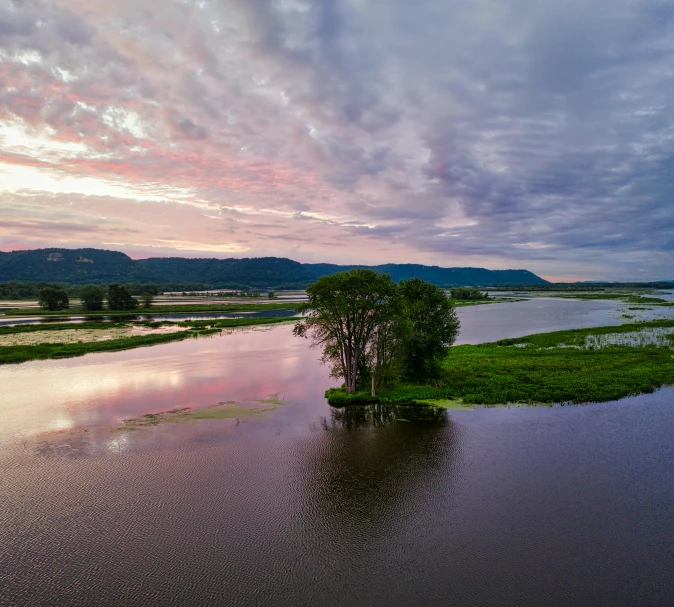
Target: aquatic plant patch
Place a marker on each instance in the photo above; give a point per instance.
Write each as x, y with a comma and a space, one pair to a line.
60, 347
160, 309
223, 410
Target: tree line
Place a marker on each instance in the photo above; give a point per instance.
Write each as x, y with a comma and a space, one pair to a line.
374, 332
93, 297
468, 294
30, 290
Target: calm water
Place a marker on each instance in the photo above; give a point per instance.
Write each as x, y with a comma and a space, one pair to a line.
11, 321
312, 506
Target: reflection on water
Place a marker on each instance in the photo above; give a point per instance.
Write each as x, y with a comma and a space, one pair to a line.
13, 320
379, 505
486, 323
103, 389
100, 389
380, 414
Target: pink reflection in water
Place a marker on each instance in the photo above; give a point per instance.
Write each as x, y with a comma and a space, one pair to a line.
102, 389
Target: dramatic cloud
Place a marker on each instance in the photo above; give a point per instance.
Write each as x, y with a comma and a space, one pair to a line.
474, 132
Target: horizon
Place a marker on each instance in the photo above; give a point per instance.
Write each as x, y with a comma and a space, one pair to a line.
496, 136
555, 279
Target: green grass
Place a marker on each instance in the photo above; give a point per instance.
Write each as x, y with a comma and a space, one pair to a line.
230, 323
546, 368
19, 354
159, 309
102, 325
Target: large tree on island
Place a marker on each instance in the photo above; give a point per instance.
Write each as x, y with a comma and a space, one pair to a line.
432, 326
371, 328
343, 314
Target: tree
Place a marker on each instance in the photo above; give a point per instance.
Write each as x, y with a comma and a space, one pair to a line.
343, 314
432, 326
385, 362
468, 293
147, 299
91, 297
119, 298
51, 299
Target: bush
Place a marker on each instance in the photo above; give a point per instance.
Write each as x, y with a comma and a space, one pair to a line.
338, 397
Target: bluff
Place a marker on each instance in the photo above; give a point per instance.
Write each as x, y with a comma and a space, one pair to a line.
76, 266
82, 266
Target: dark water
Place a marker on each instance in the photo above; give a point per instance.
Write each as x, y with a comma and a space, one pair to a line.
312, 506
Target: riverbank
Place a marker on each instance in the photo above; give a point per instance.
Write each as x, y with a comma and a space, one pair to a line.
158, 309
231, 308
68, 340
579, 366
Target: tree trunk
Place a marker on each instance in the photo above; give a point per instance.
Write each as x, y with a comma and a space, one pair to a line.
373, 386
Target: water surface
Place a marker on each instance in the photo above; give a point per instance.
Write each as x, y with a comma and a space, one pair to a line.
313, 506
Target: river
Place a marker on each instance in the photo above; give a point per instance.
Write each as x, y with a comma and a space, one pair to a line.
532, 506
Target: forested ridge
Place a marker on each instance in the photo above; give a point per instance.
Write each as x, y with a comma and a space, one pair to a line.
98, 266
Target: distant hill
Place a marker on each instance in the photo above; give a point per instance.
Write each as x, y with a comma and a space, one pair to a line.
77, 266
82, 266
443, 276
259, 272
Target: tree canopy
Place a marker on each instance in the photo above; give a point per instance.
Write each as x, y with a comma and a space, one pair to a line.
51, 299
119, 298
432, 326
369, 328
468, 293
91, 297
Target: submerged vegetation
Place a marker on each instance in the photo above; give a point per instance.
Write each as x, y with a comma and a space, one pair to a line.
584, 365
164, 309
197, 328
223, 410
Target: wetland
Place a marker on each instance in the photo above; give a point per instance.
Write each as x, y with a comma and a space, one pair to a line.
212, 471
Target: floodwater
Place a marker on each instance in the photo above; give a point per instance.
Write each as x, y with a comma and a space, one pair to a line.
556, 505
11, 321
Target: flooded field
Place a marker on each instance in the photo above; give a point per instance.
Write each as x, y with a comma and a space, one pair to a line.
69, 336
278, 499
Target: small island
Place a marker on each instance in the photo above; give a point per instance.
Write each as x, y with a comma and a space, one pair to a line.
392, 343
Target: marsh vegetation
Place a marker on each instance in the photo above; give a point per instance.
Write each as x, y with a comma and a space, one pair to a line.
66, 340
578, 366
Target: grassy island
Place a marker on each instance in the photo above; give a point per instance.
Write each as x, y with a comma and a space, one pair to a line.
67, 347
584, 365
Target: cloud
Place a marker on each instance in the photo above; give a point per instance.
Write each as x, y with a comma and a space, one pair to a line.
476, 132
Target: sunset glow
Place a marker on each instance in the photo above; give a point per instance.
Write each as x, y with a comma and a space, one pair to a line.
533, 136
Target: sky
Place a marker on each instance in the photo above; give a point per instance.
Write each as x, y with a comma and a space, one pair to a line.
531, 134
